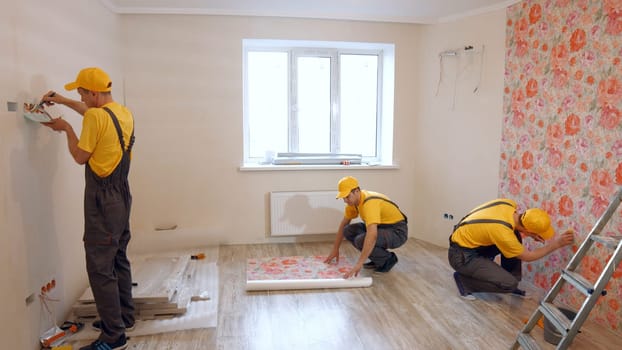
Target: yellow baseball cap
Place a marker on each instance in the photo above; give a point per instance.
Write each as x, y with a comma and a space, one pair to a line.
346, 185
92, 79
538, 221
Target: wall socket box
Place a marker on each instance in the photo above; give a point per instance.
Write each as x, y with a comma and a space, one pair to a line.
30, 299
448, 216
47, 287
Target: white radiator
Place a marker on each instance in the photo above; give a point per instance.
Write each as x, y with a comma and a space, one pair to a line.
304, 213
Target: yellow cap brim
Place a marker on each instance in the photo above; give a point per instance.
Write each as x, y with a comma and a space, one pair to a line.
71, 86
548, 234
343, 194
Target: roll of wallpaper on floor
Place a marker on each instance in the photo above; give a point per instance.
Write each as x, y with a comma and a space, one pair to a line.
300, 272
320, 283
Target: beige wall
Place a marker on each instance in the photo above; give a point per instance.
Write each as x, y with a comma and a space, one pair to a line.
184, 83
458, 132
182, 77
43, 44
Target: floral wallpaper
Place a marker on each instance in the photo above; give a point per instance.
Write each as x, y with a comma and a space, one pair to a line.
295, 267
561, 147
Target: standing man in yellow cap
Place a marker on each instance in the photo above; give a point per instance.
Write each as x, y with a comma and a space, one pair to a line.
104, 146
384, 227
495, 228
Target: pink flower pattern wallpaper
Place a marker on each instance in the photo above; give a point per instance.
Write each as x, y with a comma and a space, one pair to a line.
561, 147
295, 267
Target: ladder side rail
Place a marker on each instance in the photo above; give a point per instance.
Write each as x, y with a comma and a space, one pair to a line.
575, 260
577, 322
552, 293
602, 221
608, 271
523, 337
590, 301
531, 323
565, 342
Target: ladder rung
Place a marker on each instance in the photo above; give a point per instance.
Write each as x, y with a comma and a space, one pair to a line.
583, 285
527, 342
556, 316
610, 241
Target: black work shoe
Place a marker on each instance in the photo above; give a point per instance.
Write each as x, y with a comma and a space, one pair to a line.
369, 265
521, 293
463, 292
120, 344
388, 265
97, 325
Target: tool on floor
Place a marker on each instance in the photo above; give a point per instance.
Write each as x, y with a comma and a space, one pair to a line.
199, 256
201, 297
65, 330
63, 347
568, 328
540, 322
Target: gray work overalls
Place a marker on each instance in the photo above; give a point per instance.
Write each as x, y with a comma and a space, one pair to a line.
107, 204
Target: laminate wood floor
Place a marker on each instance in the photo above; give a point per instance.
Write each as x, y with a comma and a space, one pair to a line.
415, 306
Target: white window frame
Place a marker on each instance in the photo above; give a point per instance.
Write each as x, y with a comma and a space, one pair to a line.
386, 78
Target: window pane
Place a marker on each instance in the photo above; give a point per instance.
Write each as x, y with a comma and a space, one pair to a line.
267, 102
358, 89
313, 90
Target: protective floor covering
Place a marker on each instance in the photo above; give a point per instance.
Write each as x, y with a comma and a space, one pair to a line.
299, 272
200, 313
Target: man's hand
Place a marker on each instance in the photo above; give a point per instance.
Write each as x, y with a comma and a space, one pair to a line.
565, 238
50, 98
334, 255
57, 124
353, 272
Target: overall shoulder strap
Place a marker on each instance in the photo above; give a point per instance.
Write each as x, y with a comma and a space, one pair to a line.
119, 131
386, 200
493, 204
484, 221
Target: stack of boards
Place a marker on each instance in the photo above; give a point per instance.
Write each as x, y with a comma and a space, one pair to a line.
162, 289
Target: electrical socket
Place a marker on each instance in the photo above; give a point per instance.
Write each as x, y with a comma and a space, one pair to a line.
30, 299
49, 285
448, 216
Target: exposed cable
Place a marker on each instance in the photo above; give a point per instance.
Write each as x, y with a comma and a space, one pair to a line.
481, 69
440, 56
440, 74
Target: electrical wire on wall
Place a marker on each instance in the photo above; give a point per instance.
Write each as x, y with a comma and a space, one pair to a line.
481, 69
458, 54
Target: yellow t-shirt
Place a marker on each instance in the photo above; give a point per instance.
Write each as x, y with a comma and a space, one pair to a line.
374, 211
486, 234
99, 137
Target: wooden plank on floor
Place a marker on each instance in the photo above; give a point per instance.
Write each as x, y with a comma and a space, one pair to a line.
160, 282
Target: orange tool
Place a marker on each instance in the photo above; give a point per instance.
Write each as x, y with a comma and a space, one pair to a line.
199, 256
540, 322
66, 331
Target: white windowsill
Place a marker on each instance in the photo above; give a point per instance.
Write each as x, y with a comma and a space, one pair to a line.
272, 167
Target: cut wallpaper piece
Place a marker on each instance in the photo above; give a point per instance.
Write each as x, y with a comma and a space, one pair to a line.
561, 145
300, 272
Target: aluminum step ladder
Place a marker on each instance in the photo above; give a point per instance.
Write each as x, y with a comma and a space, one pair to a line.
566, 327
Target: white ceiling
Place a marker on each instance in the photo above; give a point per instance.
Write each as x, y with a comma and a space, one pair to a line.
404, 11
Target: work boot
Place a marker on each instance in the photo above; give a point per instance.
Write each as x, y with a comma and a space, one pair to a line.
120, 344
463, 292
388, 265
369, 265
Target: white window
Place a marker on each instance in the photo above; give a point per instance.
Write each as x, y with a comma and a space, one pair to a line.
319, 98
